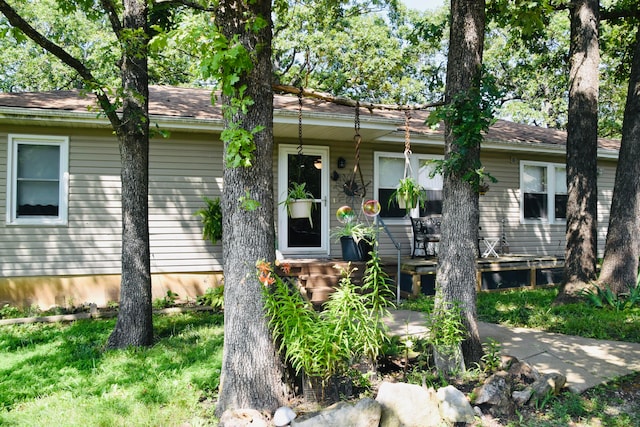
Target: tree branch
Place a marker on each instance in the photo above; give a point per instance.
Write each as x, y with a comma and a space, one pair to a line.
111, 12
17, 21
350, 102
617, 13
188, 3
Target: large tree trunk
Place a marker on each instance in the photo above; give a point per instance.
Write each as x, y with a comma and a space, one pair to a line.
582, 146
134, 326
251, 370
456, 275
622, 248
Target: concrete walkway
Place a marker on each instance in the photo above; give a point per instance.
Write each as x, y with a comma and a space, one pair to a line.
585, 362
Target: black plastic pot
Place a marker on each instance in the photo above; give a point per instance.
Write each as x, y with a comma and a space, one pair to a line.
352, 251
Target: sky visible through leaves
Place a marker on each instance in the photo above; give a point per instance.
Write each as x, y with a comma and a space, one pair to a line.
424, 4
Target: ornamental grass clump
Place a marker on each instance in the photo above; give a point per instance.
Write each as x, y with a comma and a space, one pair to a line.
324, 344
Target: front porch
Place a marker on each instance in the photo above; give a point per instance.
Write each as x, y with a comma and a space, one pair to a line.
317, 277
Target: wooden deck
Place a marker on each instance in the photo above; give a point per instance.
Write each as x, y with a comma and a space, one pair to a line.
317, 277
493, 273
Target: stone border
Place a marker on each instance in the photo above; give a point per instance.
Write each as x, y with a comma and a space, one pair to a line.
92, 314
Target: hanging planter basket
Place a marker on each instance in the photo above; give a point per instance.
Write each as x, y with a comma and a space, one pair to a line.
300, 208
403, 203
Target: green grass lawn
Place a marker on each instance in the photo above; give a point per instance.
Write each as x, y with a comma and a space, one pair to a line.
60, 375
533, 308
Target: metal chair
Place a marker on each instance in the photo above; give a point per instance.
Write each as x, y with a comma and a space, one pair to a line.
425, 230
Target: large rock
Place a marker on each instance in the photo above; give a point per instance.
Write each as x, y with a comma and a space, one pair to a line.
454, 406
408, 405
283, 416
520, 398
523, 373
548, 383
495, 394
365, 413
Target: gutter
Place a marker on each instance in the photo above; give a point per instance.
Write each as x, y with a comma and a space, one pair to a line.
437, 140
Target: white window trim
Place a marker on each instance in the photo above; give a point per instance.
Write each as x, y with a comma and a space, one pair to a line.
551, 193
415, 166
12, 159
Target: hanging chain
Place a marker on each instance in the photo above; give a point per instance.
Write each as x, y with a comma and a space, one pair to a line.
359, 190
407, 145
407, 137
300, 155
300, 124
358, 139
356, 122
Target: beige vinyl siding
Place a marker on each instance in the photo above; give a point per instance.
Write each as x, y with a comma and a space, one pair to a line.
188, 166
182, 170
502, 202
4, 137
606, 180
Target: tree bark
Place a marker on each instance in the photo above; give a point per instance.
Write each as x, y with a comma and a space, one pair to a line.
582, 146
622, 247
456, 275
251, 374
134, 326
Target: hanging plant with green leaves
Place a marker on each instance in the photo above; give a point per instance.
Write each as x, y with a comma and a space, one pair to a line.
469, 114
211, 217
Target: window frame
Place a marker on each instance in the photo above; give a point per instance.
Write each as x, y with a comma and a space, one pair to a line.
415, 167
551, 170
13, 142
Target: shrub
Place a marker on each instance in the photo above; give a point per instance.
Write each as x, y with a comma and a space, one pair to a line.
323, 344
213, 297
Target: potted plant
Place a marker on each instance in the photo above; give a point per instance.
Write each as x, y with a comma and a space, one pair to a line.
299, 201
356, 240
409, 194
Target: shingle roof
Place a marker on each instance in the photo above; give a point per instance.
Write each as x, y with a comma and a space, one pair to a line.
196, 104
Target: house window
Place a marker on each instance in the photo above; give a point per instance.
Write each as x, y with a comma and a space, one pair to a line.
390, 168
544, 191
37, 180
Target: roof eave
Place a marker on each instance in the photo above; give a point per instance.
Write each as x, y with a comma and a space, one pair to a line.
436, 140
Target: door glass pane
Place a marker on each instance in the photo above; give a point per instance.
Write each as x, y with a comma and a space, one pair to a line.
305, 232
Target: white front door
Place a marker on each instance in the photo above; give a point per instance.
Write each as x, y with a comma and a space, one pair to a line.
304, 237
